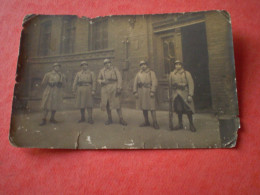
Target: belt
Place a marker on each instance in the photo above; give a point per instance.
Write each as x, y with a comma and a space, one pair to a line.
58, 84
180, 87
111, 81
84, 83
145, 85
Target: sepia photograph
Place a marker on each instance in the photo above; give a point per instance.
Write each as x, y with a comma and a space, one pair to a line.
164, 81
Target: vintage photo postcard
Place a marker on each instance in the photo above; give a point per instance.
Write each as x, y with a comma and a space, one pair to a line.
126, 82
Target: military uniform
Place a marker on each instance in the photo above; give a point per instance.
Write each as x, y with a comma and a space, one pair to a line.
145, 85
110, 88
52, 95
182, 86
181, 92
84, 84
145, 82
53, 82
111, 85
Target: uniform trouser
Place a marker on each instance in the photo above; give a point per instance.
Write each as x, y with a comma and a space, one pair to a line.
45, 113
180, 107
109, 114
153, 113
82, 112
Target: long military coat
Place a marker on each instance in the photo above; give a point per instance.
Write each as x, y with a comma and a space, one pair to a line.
145, 82
84, 83
52, 95
184, 79
111, 82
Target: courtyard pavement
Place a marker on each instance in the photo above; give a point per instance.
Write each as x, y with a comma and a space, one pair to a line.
68, 133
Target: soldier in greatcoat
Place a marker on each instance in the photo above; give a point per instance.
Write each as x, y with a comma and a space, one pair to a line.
85, 87
110, 80
53, 82
181, 92
145, 85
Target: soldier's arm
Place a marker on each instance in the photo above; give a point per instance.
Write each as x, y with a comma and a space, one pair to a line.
45, 80
154, 82
100, 77
170, 79
74, 86
135, 84
119, 79
64, 80
94, 81
190, 83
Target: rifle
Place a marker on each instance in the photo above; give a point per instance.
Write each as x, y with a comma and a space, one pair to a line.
170, 103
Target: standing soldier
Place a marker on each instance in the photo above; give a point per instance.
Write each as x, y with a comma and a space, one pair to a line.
85, 86
110, 80
181, 89
145, 85
52, 95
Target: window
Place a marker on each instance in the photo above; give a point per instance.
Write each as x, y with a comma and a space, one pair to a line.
98, 35
169, 54
68, 35
45, 38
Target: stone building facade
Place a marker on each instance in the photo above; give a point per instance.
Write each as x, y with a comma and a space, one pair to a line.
203, 41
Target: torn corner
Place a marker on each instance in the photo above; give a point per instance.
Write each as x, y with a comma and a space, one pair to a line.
12, 142
226, 14
228, 131
27, 18
231, 143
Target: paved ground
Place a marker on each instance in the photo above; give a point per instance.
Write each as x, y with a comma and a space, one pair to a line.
70, 134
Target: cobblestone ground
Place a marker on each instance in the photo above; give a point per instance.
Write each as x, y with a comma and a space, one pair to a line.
68, 133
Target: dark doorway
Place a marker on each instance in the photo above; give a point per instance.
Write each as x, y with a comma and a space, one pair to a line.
195, 59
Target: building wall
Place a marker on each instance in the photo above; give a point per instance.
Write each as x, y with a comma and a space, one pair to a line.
130, 39
221, 64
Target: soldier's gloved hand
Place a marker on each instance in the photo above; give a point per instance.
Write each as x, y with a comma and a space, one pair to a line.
152, 94
189, 99
93, 92
103, 82
136, 95
118, 92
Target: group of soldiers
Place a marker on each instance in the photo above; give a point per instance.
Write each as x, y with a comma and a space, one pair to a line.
181, 89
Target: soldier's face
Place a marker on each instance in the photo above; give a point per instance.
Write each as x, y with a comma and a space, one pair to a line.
143, 66
57, 68
178, 66
85, 67
108, 65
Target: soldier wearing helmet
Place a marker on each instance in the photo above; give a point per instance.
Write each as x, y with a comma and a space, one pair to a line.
52, 95
85, 86
110, 80
145, 85
181, 92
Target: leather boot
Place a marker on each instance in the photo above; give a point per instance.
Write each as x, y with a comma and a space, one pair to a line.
43, 122
192, 127
145, 124
52, 120
90, 119
180, 124
146, 120
155, 125
109, 121
122, 122
82, 113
